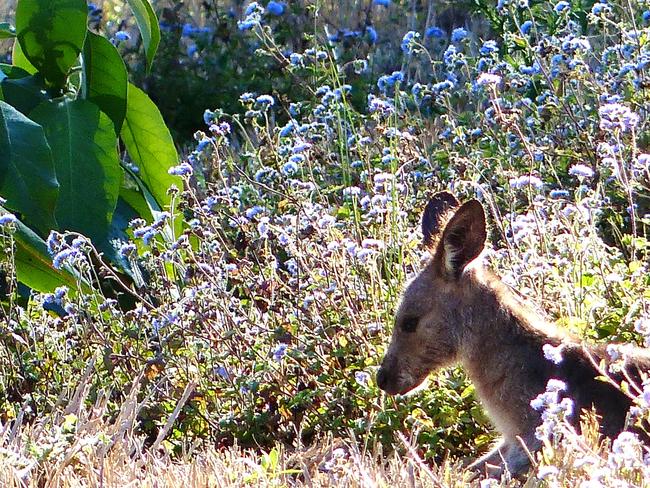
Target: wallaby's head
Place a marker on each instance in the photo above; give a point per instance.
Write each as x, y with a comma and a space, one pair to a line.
428, 323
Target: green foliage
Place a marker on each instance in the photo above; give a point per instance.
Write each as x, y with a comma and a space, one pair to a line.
33, 264
64, 103
149, 29
51, 34
149, 144
27, 178
82, 139
7, 31
105, 78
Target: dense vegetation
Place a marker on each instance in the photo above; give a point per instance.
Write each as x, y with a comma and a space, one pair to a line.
243, 294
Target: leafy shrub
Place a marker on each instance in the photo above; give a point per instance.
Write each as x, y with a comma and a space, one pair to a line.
64, 102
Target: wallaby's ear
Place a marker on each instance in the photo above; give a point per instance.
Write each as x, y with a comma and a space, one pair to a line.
434, 215
463, 238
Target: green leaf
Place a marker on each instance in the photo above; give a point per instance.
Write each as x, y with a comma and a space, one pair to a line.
19, 59
150, 145
105, 78
147, 22
23, 93
27, 178
137, 202
13, 72
84, 149
51, 34
7, 31
34, 264
123, 215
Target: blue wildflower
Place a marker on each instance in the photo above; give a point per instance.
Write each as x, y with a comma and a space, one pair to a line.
279, 352
383, 3
525, 181
208, 116
458, 34
300, 147
434, 31
442, 86
599, 8
488, 79
203, 143
351, 34
377, 105
555, 194
581, 171
450, 54
408, 41
8, 218
489, 47
526, 27
362, 378
646, 16
295, 59
617, 116
222, 372
127, 250
265, 100
252, 7
253, 211
247, 24
397, 76
287, 129
122, 36
323, 90
221, 129
188, 30
561, 6
183, 169
289, 168
275, 8
66, 257
371, 34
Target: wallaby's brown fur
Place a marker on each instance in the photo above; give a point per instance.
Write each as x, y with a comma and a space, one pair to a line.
456, 311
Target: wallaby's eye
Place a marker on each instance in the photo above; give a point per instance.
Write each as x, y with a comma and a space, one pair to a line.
409, 324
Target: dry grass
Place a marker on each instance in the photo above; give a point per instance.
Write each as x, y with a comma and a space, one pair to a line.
78, 446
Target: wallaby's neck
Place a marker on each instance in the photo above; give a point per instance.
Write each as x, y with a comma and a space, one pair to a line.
496, 319
501, 350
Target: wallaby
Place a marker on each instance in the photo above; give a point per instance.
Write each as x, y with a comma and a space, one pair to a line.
457, 311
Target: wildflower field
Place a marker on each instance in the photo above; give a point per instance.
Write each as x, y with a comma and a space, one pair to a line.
208, 211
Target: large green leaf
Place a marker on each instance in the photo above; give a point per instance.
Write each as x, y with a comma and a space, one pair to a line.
84, 148
148, 25
27, 178
7, 31
13, 72
105, 78
34, 264
137, 202
23, 93
51, 34
150, 145
19, 59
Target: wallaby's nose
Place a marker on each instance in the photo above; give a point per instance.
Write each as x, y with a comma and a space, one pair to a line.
382, 378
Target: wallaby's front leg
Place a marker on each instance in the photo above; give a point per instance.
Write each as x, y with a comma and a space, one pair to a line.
491, 464
506, 455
